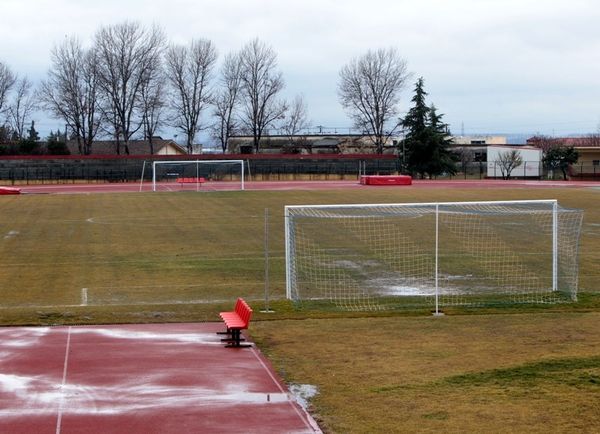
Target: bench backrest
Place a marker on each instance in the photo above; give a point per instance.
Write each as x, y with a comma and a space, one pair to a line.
244, 311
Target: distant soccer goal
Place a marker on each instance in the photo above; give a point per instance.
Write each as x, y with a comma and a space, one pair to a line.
382, 256
198, 175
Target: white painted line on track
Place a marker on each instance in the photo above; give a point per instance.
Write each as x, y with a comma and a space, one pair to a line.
306, 418
64, 381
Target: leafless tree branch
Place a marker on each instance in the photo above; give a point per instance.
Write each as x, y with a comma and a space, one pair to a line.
70, 91
22, 106
369, 90
508, 161
127, 54
261, 83
227, 100
189, 70
295, 121
7, 81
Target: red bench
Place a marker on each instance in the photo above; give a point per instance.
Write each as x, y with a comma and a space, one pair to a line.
236, 321
199, 180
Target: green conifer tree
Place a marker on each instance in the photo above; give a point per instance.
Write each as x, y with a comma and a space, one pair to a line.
442, 159
415, 154
425, 148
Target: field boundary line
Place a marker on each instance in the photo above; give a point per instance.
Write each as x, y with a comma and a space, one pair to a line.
306, 418
64, 380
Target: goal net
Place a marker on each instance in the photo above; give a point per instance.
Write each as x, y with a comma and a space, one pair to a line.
198, 175
371, 257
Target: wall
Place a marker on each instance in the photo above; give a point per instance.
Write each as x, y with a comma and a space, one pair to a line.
531, 167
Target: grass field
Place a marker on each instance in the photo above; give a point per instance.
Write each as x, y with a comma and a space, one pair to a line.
185, 256
486, 373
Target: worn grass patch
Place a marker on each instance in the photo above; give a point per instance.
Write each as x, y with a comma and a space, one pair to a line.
479, 373
577, 372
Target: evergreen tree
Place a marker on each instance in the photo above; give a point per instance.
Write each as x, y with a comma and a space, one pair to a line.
427, 140
56, 145
561, 157
32, 134
415, 155
442, 159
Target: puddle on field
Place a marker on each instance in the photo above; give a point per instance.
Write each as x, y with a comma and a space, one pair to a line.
303, 393
11, 234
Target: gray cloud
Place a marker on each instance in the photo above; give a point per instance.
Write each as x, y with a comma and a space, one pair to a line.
498, 66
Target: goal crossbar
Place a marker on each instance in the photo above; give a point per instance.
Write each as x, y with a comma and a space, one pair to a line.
421, 204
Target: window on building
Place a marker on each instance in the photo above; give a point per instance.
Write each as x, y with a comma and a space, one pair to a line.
596, 162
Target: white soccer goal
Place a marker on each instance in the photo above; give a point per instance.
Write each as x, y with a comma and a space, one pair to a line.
198, 174
370, 257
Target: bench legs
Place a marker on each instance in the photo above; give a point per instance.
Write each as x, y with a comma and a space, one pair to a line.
235, 340
229, 333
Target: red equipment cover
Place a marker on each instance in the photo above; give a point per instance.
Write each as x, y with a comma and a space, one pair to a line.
386, 180
10, 190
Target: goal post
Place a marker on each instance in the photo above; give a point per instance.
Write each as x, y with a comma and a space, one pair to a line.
380, 256
196, 172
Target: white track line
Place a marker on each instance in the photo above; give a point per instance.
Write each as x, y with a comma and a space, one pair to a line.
64, 380
306, 418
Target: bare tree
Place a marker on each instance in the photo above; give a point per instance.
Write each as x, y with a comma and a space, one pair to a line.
189, 72
545, 143
70, 91
126, 54
261, 83
508, 161
152, 104
295, 121
227, 100
22, 107
369, 90
7, 81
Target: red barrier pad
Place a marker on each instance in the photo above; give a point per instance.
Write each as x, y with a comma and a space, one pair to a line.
10, 190
386, 180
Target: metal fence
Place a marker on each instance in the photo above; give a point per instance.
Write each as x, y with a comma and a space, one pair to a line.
528, 170
70, 170
38, 170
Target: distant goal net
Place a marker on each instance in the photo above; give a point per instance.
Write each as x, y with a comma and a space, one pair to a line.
197, 175
383, 256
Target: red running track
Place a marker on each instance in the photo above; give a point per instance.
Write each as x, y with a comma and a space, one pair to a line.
153, 378
298, 185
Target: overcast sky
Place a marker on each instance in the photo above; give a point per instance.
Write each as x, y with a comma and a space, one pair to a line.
502, 66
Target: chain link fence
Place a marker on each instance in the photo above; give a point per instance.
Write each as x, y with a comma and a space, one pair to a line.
38, 170
69, 170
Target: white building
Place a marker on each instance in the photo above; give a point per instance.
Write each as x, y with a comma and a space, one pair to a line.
531, 166
479, 140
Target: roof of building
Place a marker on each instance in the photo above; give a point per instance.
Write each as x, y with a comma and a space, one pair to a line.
136, 147
591, 141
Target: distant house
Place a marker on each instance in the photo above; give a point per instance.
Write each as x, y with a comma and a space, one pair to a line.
588, 148
136, 147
